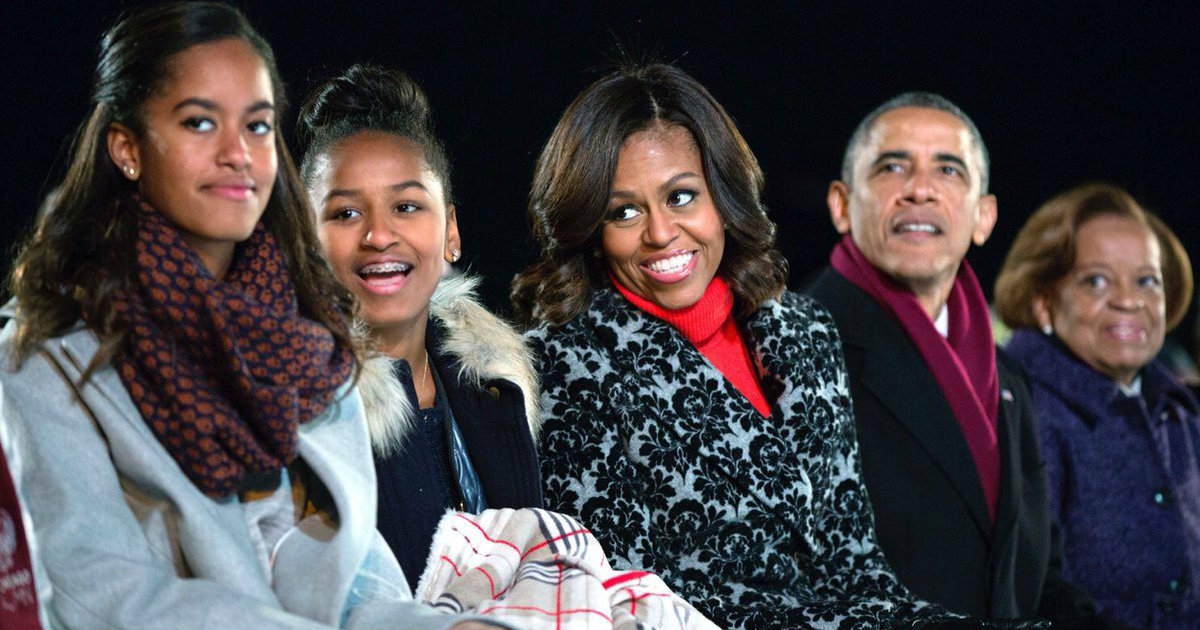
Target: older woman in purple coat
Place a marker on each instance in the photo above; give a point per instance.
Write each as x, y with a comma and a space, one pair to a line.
1091, 286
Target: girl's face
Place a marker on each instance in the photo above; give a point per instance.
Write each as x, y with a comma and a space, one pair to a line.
385, 227
206, 156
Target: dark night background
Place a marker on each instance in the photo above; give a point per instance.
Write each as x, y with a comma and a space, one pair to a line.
1063, 94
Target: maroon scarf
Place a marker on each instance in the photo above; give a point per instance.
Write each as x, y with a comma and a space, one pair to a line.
223, 372
18, 597
963, 363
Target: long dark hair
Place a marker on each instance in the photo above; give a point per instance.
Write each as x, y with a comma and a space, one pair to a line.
80, 253
573, 180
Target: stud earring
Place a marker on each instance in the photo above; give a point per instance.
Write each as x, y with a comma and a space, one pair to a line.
129, 170
454, 255
1047, 329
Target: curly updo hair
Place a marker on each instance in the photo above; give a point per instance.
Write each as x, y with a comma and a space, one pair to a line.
573, 180
369, 98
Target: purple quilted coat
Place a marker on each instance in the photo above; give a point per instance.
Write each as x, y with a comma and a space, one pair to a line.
1124, 482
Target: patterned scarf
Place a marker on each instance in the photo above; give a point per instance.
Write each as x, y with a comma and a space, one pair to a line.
223, 372
963, 363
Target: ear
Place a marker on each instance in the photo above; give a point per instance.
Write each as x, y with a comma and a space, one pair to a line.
453, 241
985, 221
124, 151
838, 199
1041, 311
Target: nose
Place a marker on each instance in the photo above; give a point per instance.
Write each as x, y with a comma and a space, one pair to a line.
235, 152
378, 234
919, 187
661, 228
1126, 297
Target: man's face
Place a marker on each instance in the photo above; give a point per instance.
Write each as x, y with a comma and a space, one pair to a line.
914, 206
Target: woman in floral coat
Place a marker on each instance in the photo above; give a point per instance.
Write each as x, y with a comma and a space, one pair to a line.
695, 415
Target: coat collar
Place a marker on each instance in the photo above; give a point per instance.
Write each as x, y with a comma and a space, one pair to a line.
1050, 364
713, 420
465, 338
769, 349
886, 353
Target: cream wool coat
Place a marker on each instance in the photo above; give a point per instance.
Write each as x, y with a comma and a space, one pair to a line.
128, 541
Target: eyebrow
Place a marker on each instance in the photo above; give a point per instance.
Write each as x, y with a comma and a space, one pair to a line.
952, 158
211, 105
625, 194
891, 155
355, 193
905, 155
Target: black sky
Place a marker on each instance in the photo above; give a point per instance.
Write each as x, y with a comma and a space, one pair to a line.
1063, 94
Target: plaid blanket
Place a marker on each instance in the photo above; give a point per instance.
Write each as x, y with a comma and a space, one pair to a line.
536, 569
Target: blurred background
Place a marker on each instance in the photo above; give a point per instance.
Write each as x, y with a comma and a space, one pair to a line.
1063, 93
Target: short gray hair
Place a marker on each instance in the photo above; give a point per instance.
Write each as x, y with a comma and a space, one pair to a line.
926, 100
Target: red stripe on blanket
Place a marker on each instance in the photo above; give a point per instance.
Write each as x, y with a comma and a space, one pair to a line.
555, 539
634, 597
481, 570
453, 566
623, 577
485, 534
546, 612
491, 582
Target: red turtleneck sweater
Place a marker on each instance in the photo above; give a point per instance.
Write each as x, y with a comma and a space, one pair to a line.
709, 325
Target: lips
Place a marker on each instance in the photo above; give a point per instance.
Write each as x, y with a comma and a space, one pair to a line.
233, 189
671, 266
384, 276
1127, 331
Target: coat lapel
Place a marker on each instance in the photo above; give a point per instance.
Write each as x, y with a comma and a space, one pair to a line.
333, 447
1008, 504
912, 396
75, 352
689, 426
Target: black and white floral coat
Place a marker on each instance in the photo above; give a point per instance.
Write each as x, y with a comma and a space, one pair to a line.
759, 522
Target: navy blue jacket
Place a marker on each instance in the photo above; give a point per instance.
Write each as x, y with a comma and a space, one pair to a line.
413, 491
1124, 482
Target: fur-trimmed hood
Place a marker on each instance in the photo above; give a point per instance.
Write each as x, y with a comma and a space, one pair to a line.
485, 346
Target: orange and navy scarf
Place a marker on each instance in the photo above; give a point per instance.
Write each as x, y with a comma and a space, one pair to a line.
224, 371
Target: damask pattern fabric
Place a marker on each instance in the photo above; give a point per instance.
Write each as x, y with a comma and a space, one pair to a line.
538, 570
223, 371
759, 522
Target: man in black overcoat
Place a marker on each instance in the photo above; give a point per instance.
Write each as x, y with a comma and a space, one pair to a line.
949, 448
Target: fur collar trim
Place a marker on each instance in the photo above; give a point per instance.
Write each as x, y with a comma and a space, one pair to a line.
485, 346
